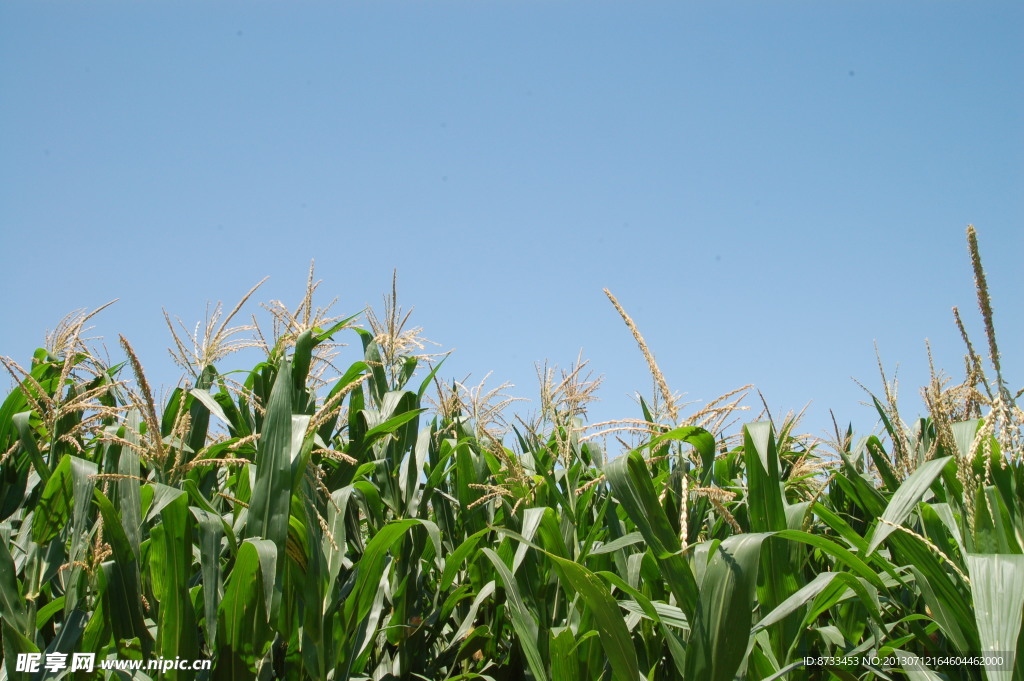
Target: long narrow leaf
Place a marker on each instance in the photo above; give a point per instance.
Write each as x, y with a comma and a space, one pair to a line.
610, 625
905, 499
631, 482
718, 641
522, 621
997, 584
271, 496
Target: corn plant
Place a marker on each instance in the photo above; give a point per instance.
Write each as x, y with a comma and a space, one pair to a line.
314, 519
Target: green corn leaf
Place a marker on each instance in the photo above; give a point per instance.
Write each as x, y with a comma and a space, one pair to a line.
70, 635
950, 607
702, 441
468, 621
210, 531
28, 442
15, 643
917, 672
455, 560
665, 615
764, 498
766, 506
631, 539
98, 629
522, 620
565, 664
874, 448
992, 527
367, 585
83, 482
997, 585
806, 594
170, 572
301, 358
850, 560
615, 638
244, 628
550, 534
155, 497
721, 630
314, 647
428, 380
12, 605
655, 611
238, 417
272, 491
411, 473
44, 613
357, 369
199, 413
378, 381
54, 510
841, 587
129, 500
632, 484
905, 499
372, 564
367, 630
211, 403
860, 488
392, 424
123, 594
119, 590
963, 435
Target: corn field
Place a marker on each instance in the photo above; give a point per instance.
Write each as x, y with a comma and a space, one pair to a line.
343, 513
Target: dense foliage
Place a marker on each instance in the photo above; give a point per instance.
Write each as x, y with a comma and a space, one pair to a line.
301, 521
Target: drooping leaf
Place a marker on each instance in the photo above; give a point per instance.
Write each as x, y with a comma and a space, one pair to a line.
615, 638
798, 600
632, 485
523, 621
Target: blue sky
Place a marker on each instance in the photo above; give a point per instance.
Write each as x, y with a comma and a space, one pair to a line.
768, 188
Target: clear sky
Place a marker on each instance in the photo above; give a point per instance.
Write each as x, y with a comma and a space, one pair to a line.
768, 188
